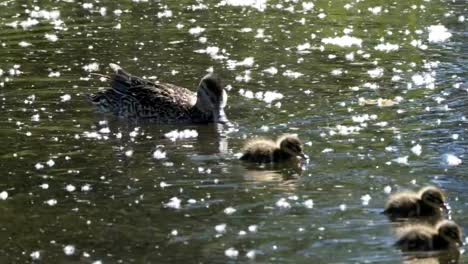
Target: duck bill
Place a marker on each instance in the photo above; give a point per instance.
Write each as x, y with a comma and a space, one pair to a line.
303, 156
220, 116
444, 207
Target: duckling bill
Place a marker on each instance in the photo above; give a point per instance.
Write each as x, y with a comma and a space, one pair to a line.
445, 235
428, 202
287, 147
133, 97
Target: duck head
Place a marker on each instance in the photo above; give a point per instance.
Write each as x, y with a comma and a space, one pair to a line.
434, 197
291, 145
450, 231
212, 98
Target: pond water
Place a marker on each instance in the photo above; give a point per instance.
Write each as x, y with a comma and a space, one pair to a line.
377, 90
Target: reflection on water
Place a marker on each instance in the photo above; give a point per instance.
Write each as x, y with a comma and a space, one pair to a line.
377, 91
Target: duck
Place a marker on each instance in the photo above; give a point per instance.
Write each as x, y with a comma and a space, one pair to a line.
444, 236
135, 98
261, 150
428, 203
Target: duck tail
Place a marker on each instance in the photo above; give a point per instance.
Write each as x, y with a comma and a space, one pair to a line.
122, 80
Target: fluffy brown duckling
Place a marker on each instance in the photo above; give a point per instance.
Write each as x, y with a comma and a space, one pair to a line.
427, 203
445, 235
287, 147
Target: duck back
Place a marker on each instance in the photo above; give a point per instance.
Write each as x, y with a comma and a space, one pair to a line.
133, 97
260, 150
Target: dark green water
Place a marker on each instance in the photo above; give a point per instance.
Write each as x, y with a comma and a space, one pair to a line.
104, 197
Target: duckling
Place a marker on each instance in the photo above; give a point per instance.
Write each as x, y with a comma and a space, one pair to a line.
133, 97
287, 147
446, 235
427, 203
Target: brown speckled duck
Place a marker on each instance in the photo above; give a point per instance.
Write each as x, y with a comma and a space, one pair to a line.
445, 235
287, 147
135, 98
427, 203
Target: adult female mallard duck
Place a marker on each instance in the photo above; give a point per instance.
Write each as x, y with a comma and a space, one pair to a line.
445, 235
427, 203
133, 97
287, 147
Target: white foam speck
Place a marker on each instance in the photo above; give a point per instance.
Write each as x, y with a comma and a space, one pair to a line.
229, 210
35, 255
253, 228
3, 195
129, 153
50, 163
39, 166
451, 160
307, 6
231, 253
44, 186
283, 203
69, 250
104, 130
51, 37
54, 74
417, 150
349, 56
260, 5
337, 72
70, 188
438, 33
387, 189
427, 79
65, 98
302, 47
24, 44
165, 13
309, 203
343, 207
292, 74
87, 5
51, 202
86, 188
158, 154
174, 202
376, 73
221, 228
387, 47
365, 199
402, 160
251, 254
175, 134
91, 67
35, 118
375, 10
344, 41
271, 70
196, 30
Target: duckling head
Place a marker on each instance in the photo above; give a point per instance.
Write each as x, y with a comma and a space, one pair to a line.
433, 196
212, 98
450, 231
291, 145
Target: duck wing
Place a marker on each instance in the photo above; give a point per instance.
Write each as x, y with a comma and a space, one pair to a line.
134, 97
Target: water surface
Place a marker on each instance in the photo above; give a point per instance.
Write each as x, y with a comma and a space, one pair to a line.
376, 90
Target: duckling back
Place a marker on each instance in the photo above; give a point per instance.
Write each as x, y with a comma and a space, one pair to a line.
402, 205
260, 150
416, 238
